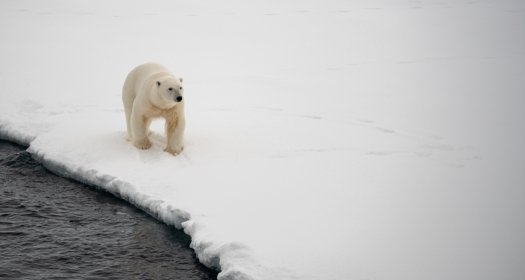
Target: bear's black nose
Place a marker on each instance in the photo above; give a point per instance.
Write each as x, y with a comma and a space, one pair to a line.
179, 98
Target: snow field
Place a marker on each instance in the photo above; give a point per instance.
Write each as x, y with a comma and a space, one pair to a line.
325, 139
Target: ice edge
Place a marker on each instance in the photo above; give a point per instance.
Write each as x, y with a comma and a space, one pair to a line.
209, 254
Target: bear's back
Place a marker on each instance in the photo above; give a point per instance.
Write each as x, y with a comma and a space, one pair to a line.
140, 75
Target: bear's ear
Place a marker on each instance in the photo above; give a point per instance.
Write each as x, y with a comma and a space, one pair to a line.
180, 79
158, 83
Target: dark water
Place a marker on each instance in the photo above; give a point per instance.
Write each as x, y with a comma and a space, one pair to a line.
54, 228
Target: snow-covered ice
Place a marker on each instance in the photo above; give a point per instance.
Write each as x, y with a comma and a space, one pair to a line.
325, 139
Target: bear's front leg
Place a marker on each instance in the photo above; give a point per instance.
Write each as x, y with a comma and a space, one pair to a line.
175, 135
140, 126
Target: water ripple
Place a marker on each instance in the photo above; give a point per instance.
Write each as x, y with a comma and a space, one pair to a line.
54, 228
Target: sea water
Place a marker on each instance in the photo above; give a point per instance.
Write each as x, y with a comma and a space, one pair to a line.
55, 228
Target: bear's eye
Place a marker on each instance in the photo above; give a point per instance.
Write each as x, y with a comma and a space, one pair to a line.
180, 88
170, 89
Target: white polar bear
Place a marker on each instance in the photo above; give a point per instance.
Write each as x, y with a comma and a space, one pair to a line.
151, 91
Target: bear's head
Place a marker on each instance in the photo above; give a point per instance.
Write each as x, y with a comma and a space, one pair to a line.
170, 91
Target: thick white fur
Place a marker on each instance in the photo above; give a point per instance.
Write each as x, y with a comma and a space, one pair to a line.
150, 91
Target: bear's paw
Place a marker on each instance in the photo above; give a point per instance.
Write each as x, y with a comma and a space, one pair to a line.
174, 151
143, 145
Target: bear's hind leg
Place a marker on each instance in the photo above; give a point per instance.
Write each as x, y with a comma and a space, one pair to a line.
128, 106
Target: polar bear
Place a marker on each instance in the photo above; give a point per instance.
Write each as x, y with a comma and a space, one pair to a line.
151, 91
